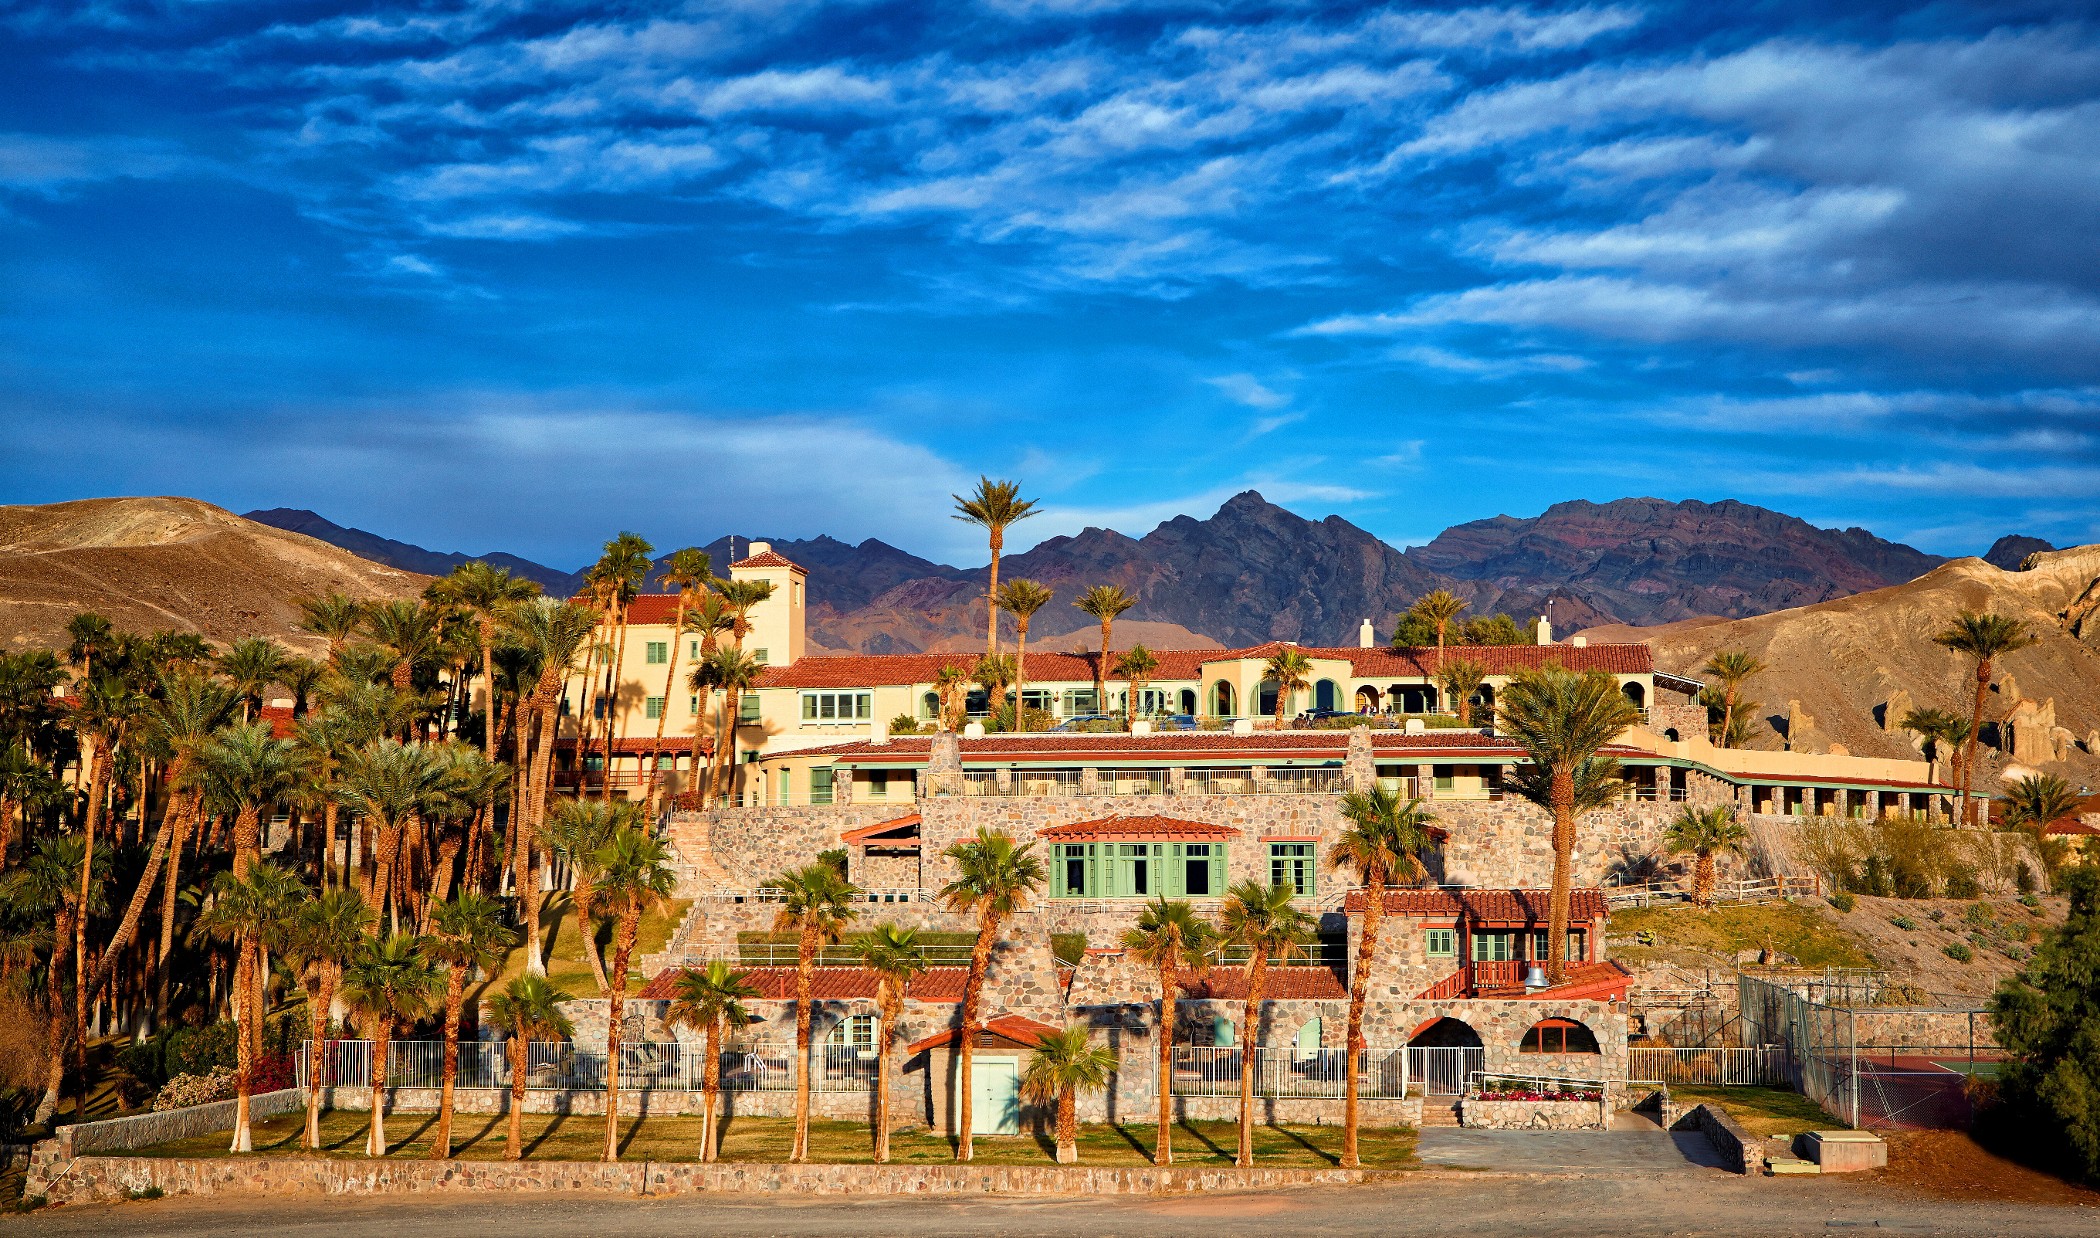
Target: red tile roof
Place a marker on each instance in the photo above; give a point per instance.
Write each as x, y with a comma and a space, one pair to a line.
827, 984
1151, 827
280, 719
1498, 906
766, 558
874, 833
1018, 1028
1605, 980
1198, 747
1229, 984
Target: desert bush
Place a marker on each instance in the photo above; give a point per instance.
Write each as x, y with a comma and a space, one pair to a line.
1962, 883
1905, 923
1958, 952
1976, 914
2030, 902
185, 1090
1843, 901
2023, 881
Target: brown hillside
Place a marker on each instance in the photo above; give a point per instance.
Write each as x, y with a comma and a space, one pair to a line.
1844, 659
149, 564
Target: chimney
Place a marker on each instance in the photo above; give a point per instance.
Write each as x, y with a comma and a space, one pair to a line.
757, 549
1542, 632
878, 732
1365, 636
1580, 642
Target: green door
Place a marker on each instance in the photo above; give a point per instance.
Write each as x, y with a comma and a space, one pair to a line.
995, 1096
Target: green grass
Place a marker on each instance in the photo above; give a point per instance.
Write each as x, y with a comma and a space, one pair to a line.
1761, 1111
1803, 931
566, 967
480, 1137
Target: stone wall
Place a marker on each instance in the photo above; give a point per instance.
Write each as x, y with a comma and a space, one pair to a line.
105, 1179
1535, 1115
1743, 1153
1878, 1027
52, 1158
905, 1104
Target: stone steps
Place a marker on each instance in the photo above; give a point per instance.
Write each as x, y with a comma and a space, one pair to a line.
1440, 1111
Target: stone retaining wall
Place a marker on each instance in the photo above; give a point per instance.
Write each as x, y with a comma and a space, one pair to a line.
907, 1102
1535, 1115
98, 1179
1743, 1153
51, 1158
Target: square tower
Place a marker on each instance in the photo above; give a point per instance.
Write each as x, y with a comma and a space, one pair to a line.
776, 623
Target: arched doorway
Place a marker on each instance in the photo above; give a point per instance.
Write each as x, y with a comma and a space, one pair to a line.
1188, 700
1443, 1053
1266, 699
1325, 694
1221, 699
1636, 694
1367, 700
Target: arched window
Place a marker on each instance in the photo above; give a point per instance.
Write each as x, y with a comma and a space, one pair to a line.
1636, 694
1367, 700
1324, 694
1222, 704
1307, 1043
1266, 702
1558, 1036
930, 705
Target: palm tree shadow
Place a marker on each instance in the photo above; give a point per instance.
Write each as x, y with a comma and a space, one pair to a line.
487, 1131
416, 1135
1130, 1137
532, 1145
1205, 1140
1307, 1144
634, 1127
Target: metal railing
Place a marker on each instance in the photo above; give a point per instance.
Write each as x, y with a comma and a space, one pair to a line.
561, 1066
1479, 1081
1764, 1066
1201, 1070
1748, 890
1443, 1070
771, 894
789, 954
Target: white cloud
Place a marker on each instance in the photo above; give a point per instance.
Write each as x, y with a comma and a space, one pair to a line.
1248, 390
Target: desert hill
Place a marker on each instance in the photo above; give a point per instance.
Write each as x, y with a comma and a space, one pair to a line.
148, 564
1847, 660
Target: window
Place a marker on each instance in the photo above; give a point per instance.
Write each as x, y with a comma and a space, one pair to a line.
1072, 870
1291, 864
877, 782
1444, 775
692, 704
657, 652
1538, 946
1195, 871
820, 785
759, 656
1443, 943
1133, 869
837, 706
1307, 1042
1558, 1036
652, 707
1494, 947
692, 650
747, 707
1079, 701
855, 1032
1222, 1033
1137, 870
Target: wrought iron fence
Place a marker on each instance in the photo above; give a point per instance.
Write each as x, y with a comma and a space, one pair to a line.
1202, 1070
1763, 1066
560, 1066
1443, 1070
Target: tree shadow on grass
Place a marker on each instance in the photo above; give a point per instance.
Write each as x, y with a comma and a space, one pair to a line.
462, 1140
1307, 1144
1205, 1140
532, 1145
1130, 1137
634, 1127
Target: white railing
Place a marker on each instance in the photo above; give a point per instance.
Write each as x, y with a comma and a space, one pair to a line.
560, 1066
1479, 1081
1758, 890
771, 894
1443, 1070
1729, 1068
845, 954
1201, 1070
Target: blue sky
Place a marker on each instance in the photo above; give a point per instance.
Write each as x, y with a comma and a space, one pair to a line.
514, 274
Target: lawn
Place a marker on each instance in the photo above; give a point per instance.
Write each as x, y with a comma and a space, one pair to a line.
480, 1137
1806, 932
566, 967
1761, 1111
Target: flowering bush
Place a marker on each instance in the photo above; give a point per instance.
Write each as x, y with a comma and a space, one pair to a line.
273, 1072
1507, 1092
185, 1090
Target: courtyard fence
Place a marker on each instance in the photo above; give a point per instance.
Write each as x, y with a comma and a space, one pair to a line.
1214, 1070
560, 1066
1764, 1066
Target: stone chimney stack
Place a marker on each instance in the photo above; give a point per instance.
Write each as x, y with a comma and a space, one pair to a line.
1366, 636
1542, 632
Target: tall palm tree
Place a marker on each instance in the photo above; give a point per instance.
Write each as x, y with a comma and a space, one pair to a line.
994, 672
634, 875
48, 883
90, 637
302, 678
253, 913
1705, 832
551, 634
816, 904
995, 507
181, 728
334, 617
324, 934
1563, 720
1171, 939
467, 935
1065, 1064
1136, 666
1021, 598
251, 666
1105, 603
389, 983
26, 785
708, 998
891, 952
951, 686
710, 617
254, 772
1460, 680
1386, 838
1984, 638
735, 672
486, 593
410, 631
529, 1009
1292, 671
576, 831
686, 572
994, 880
1260, 919
1933, 725
392, 784
1440, 608
1732, 668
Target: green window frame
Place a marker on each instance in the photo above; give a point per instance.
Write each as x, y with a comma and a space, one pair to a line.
837, 706
652, 707
656, 652
747, 707
1442, 943
820, 784
1575, 946
1494, 947
692, 703
1292, 864
1137, 869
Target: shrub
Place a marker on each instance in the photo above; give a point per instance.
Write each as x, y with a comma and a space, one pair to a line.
1937, 914
1905, 923
1068, 947
2048, 1018
1843, 900
904, 724
1958, 952
2023, 881
1976, 915
2030, 902
1962, 883
185, 1090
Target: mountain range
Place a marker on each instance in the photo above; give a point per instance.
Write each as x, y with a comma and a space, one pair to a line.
1254, 572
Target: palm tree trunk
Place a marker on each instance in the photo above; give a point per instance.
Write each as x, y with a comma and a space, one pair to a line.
1561, 794
581, 900
243, 1053
805, 977
317, 1056
167, 911
991, 609
247, 839
616, 1014
128, 927
1020, 675
711, 1091
514, 1128
382, 1039
455, 997
1257, 987
1101, 673
55, 1007
1703, 880
1067, 1128
966, 1039
1359, 988
536, 812
663, 715
1727, 718
1968, 763
612, 701
882, 1088
1169, 989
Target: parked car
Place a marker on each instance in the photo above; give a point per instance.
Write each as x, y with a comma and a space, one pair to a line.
1178, 722
1080, 721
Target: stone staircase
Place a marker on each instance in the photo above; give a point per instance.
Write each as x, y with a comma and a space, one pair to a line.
691, 838
1440, 1111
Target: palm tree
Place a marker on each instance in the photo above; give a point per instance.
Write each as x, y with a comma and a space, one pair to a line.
90, 636
1933, 726
392, 784
486, 593
1181, 946
1563, 720
1291, 670
687, 572
1439, 608
49, 882
1136, 667
2033, 804
26, 785
892, 953
323, 936
1105, 603
252, 912
529, 1009
1260, 919
467, 935
995, 507
620, 573
1386, 838
634, 874
1021, 598
1985, 638
710, 617
1460, 680
735, 672
252, 771
576, 830
951, 687
334, 617
706, 999
251, 666
1733, 668
390, 982
407, 629
302, 677
1705, 832
994, 672
180, 730
994, 880
551, 634
1065, 1064
816, 904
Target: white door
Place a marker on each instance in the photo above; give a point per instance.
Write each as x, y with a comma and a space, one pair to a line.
995, 1096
